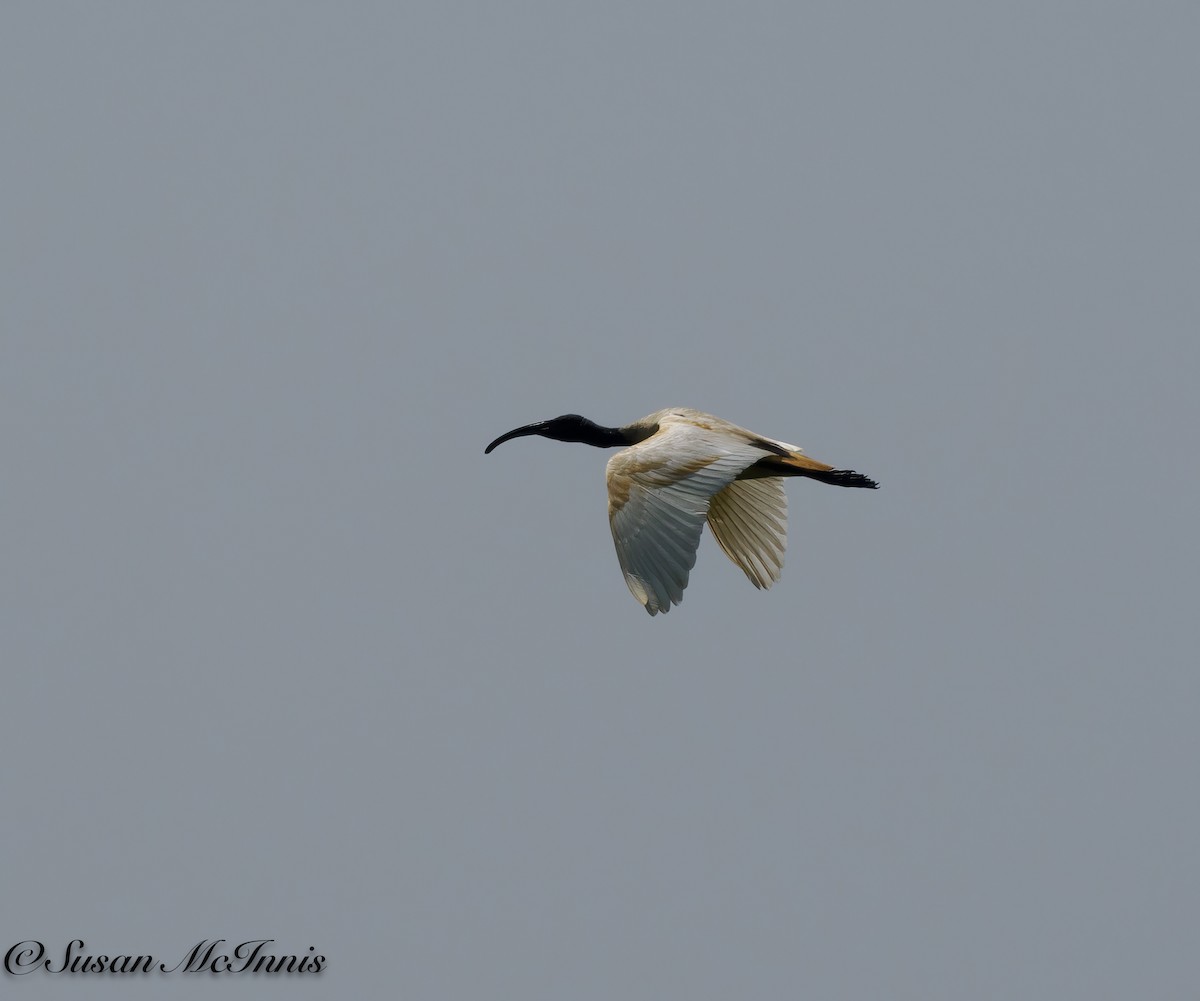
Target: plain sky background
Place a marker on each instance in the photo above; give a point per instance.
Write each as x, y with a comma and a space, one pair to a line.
284, 655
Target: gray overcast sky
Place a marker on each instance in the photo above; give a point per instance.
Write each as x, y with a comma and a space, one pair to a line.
284, 655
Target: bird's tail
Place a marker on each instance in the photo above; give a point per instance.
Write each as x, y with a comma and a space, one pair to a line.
798, 464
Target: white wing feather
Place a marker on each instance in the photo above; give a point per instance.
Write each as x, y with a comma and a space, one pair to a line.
659, 494
749, 520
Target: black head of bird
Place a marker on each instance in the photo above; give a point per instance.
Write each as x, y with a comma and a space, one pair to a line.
569, 427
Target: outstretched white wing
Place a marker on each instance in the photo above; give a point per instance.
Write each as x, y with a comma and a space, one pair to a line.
749, 520
659, 492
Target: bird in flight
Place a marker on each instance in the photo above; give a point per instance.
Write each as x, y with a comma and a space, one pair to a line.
682, 468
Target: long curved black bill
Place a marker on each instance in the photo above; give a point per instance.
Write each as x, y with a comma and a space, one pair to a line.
520, 432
